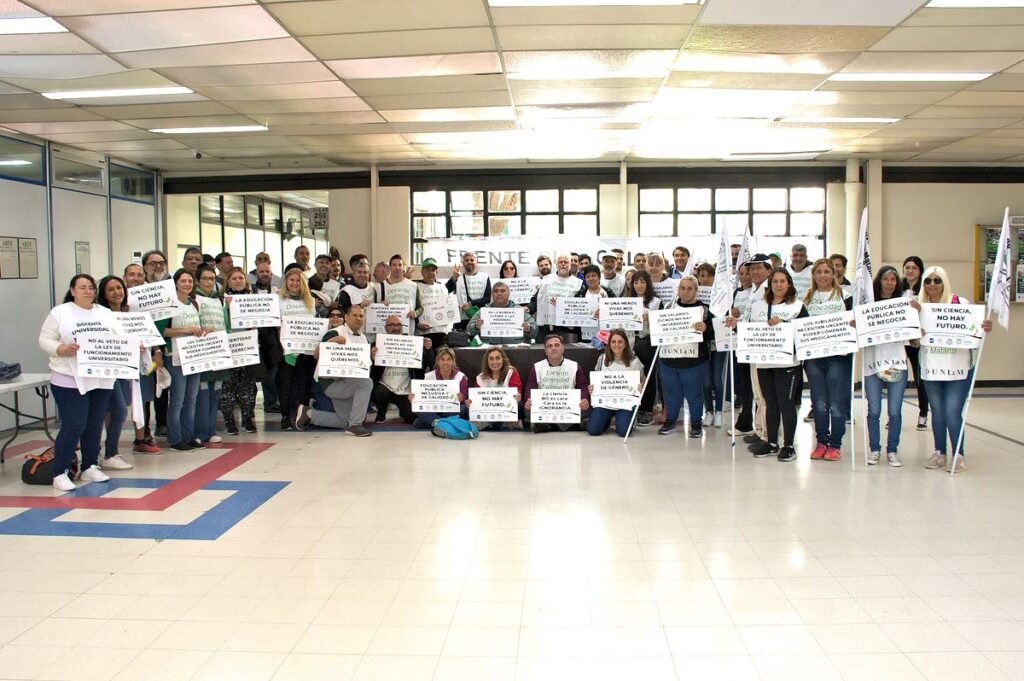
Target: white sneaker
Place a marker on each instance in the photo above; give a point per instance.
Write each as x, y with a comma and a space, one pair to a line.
115, 463
936, 460
718, 419
873, 458
709, 419
94, 474
727, 406
215, 439
960, 465
894, 460
63, 483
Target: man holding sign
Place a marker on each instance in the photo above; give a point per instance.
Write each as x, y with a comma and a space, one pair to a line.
502, 322
350, 396
556, 372
392, 377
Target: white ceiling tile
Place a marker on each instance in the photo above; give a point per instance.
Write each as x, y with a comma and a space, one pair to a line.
975, 98
456, 126
189, 122
809, 12
13, 9
250, 74
45, 115
60, 8
782, 39
966, 156
891, 97
428, 85
112, 136
1019, 67
229, 140
855, 110
330, 88
29, 101
324, 118
622, 37
602, 14
326, 104
588, 64
820, 63
321, 135
291, 163
1000, 82
49, 66
45, 129
177, 28
480, 113
189, 166
401, 43
441, 100
947, 16
46, 43
901, 131
161, 110
250, 151
933, 61
770, 81
382, 139
8, 89
112, 81
965, 38
955, 123
582, 95
360, 16
250, 52
411, 67
157, 144
943, 111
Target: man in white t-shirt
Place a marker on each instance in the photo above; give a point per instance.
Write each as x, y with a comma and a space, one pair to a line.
432, 293
399, 290
610, 278
800, 270
470, 286
561, 284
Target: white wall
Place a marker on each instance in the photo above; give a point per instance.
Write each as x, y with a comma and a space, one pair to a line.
78, 216
349, 222
133, 230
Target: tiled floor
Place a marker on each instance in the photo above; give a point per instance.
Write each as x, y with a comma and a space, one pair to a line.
554, 557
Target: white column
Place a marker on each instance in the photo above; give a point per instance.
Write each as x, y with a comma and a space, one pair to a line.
874, 198
854, 205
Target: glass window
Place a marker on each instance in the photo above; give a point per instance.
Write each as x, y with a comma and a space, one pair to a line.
21, 160
769, 224
274, 248
271, 214
503, 201
434, 227
770, 199
657, 201
807, 198
467, 201
542, 201
579, 201
694, 224
234, 210
541, 225
734, 222
467, 225
253, 212
580, 225
210, 239
131, 183
807, 224
253, 244
657, 224
504, 225
732, 199
209, 209
428, 202
80, 175
694, 199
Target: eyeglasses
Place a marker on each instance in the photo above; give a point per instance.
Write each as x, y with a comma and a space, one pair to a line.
933, 281
158, 263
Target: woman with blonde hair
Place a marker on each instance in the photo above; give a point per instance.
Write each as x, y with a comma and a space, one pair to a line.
445, 369
497, 372
829, 376
946, 372
295, 373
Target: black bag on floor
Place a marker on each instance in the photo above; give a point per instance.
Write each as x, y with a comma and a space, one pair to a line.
38, 468
9, 371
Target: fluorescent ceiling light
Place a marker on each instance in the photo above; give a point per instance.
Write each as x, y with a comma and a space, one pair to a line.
836, 119
30, 25
15, 163
585, 3
922, 77
127, 92
215, 128
975, 4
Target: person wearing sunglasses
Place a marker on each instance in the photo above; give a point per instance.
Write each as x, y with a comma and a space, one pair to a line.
946, 373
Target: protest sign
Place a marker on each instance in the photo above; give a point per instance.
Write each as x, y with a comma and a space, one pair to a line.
300, 335
159, 299
140, 324
952, 326
502, 322
825, 335
615, 389
255, 311
725, 338
575, 311
674, 326
521, 289
759, 343
704, 294
439, 397
440, 311
555, 406
343, 360
245, 348
195, 354
665, 291
493, 405
397, 350
563, 288
621, 313
108, 356
377, 315
886, 321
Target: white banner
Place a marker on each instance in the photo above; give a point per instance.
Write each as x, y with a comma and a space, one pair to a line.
108, 356
395, 350
439, 397
493, 405
725, 339
159, 299
502, 322
824, 335
251, 311
666, 291
521, 289
440, 312
886, 321
195, 354
140, 324
759, 343
622, 313
675, 325
343, 360
615, 389
555, 406
245, 348
575, 311
301, 335
952, 326
377, 315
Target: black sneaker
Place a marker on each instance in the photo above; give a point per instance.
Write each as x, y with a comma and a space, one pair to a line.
667, 429
182, 447
357, 431
249, 427
286, 424
752, 439
196, 444
161, 431
301, 417
696, 432
764, 450
274, 408
644, 418
231, 429
787, 454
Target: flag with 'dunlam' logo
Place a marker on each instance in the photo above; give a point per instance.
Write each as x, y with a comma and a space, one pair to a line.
998, 299
863, 289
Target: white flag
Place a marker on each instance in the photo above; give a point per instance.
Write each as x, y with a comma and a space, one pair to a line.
721, 289
741, 257
998, 300
864, 288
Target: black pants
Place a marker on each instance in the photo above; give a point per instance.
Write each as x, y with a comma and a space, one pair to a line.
914, 355
160, 407
240, 389
645, 353
744, 397
779, 387
295, 384
381, 397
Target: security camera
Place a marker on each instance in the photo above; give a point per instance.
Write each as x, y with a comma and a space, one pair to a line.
196, 154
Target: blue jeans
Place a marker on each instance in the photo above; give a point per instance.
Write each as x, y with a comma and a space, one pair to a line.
207, 406
947, 399
830, 397
601, 417
81, 425
181, 406
714, 383
683, 384
117, 411
873, 387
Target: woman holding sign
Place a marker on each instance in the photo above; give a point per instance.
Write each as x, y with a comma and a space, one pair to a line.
295, 373
212, 316
497, 372
829, 376
617, 357
240, 388
81, 401
641, 286
946, 372
184, 392
913, 266
682, 377
885, 367
445, 369
112, 295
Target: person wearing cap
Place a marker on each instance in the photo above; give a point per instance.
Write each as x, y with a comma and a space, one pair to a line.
747, 389
500, 298
775, 259
432, 291
610, 277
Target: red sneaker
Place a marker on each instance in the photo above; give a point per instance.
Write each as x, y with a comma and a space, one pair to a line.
819, 451
832, 454
146, 448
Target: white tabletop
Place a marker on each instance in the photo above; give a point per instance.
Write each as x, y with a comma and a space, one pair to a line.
24, 381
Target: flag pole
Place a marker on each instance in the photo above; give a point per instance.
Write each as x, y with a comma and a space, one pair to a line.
853, 421
732, 394
647, 379
967, 406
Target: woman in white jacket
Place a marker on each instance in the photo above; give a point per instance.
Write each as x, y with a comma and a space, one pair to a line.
81, 402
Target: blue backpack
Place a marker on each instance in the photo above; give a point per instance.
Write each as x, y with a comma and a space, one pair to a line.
455, 428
